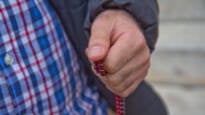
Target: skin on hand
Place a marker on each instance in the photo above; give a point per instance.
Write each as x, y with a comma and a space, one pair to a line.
117, 39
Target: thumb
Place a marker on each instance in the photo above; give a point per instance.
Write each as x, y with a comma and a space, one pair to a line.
99, 42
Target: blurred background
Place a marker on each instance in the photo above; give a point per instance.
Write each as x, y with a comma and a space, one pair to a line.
178, 63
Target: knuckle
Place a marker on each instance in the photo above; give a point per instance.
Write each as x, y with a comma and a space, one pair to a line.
146, 57
147, 51
140, 42
147, 69
147, 62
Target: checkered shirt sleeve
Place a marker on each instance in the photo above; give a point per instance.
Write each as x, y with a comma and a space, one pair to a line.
40, 72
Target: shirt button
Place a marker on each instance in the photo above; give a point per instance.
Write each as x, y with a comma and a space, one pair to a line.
8, 59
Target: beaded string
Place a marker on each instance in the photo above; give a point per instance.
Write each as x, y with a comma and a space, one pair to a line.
119, 101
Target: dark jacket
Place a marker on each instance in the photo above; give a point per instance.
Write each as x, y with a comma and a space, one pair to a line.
77, 17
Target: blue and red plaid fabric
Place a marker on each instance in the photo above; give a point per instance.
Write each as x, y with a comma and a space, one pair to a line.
44, 75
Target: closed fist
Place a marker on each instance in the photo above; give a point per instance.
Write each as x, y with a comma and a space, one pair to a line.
117, 39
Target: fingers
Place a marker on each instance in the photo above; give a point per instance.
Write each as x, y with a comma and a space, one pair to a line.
135, 64
99, 42
127, 46
130, 75
131, 87
131, 82
122, 46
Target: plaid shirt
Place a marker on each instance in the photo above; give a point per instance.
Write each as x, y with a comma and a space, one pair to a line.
39, 70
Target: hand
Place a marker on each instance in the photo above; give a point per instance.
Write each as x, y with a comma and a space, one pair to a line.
116, 38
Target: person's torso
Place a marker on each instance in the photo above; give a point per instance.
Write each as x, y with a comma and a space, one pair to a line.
39, 69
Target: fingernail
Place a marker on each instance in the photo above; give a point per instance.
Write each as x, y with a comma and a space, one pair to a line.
95, 51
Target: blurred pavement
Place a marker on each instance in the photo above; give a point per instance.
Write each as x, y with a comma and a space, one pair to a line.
178, 63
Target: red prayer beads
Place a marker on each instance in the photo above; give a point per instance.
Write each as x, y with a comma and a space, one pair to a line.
119, 101
99, 68
120, 105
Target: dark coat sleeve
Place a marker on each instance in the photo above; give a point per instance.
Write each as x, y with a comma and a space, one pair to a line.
145, 13
77, 16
